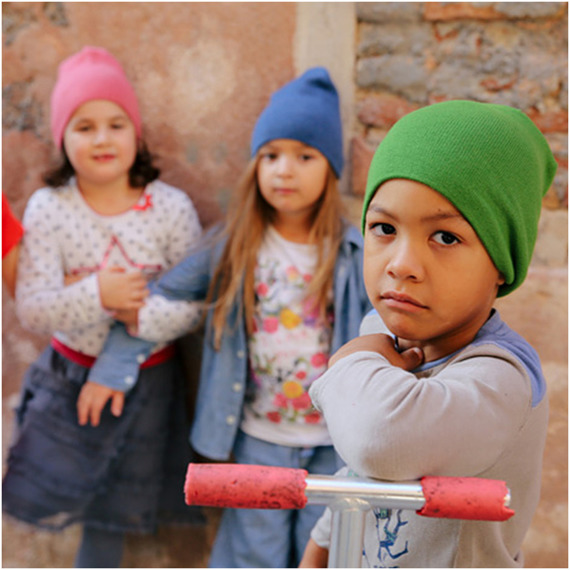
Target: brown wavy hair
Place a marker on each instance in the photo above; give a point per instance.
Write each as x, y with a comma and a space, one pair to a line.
247, 219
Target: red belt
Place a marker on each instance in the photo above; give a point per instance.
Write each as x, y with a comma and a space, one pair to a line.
85, 360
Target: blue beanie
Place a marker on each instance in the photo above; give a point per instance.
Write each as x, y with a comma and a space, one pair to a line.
306, 110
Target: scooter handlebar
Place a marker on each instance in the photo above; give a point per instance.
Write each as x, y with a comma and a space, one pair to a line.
245, 486
263, 487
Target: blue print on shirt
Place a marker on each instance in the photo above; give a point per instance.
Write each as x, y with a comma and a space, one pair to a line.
390, 545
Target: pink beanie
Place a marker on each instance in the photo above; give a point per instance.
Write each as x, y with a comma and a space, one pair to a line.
92, 73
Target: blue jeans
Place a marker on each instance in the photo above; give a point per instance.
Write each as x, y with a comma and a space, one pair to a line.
260, 538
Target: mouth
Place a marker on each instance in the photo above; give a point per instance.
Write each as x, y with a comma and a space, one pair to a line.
397, 300
284, 191
103, 157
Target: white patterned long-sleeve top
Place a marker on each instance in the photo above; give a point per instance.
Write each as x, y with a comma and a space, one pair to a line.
63, 235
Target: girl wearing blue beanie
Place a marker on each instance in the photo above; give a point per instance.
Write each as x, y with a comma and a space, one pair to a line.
283, 286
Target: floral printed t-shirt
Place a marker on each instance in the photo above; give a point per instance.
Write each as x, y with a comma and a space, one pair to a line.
289, 347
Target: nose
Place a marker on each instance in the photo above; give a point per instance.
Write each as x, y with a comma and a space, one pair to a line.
284, 166
101, 135
406, 261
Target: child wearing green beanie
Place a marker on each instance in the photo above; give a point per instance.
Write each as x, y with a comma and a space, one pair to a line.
437, 384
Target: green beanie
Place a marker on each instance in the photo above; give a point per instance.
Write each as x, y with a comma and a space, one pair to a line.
490, 161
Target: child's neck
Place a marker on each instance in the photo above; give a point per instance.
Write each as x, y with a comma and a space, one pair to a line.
293, 229
110, 199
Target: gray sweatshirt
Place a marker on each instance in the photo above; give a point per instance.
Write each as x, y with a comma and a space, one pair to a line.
480, 412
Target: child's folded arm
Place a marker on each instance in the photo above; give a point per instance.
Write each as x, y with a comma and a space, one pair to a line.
161, 320
117, 366
388, 424
119, 361
175, 304
43, 303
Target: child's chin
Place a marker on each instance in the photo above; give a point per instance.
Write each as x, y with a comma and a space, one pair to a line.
405, 332
402, 327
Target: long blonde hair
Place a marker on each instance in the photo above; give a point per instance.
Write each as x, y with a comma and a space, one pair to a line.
247, 219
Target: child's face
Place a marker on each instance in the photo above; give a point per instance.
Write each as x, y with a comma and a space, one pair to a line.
425, 269
291, 177
100, 142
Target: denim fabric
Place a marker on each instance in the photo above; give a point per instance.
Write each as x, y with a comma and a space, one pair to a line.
124, 475
268, 538
224, 373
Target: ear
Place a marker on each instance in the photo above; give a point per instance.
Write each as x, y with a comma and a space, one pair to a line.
500, 279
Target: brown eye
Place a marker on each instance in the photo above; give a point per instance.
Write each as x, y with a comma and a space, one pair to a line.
445, 238
382, 229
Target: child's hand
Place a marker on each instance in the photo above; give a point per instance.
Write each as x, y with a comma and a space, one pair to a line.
384, 345
92, 400
74, 278
129, 317
122, 290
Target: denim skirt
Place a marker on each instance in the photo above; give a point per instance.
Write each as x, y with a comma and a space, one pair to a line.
126, 474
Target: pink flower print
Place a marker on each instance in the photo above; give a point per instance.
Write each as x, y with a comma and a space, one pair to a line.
270, 324
292, 273
262, 289
301, 375
313, 418
307, 278
319, 359
280, 401
255, 378
303, 402
310, 308
274, 417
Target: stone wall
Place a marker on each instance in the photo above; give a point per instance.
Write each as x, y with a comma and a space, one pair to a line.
412, 54
204, 71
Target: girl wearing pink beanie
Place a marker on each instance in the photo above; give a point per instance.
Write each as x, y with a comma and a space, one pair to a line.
93, 236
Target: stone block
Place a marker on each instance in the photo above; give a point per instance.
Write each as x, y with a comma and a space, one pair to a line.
401, 74
389, 11
555, 121
361, 157
383, 109
530, 10
551, 248
434, 11
403, 37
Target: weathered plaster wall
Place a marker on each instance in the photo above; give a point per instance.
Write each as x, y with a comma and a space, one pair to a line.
203, 72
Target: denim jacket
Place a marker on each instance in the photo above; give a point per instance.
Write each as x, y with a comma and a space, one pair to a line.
224, 373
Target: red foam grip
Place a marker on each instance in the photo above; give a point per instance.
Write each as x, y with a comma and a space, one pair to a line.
468, 498
236, 486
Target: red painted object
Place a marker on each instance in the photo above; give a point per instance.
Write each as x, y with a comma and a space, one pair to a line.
230, 485
465, 498
245, 486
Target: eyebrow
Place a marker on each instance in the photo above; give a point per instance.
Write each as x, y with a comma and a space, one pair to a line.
298, 146
115, 118
439, 216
